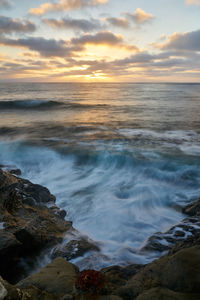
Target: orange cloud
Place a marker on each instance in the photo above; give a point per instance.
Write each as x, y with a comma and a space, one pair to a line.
140, 16
65, 5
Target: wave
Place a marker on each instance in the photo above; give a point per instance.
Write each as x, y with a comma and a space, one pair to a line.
28, 104
118, 198
44, 104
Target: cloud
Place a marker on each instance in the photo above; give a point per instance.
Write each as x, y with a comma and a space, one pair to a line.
65, 5
189, 41
61, 48
9, 25
46, 47
74, 24
118, 22
193, 2
5, 4
140, 17
103, 38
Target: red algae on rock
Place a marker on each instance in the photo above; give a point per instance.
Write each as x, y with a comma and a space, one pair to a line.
90, 281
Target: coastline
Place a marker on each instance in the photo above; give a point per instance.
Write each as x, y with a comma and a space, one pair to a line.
31, 224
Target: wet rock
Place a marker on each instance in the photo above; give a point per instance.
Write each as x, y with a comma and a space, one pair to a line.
192, 209
74, 248
17, 172
56, 278
163, 242
157, 242
29, 226
60, 212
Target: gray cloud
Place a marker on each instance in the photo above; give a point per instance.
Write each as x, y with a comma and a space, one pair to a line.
46, 47
189, 41
61, 48
74, 24
9, 25
118, 22
103, 38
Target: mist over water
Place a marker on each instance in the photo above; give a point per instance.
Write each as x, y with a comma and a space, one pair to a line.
120, 158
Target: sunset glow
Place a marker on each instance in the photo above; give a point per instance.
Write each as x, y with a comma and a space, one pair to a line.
100, 40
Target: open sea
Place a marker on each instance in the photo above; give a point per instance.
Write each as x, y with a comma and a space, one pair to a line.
120, 158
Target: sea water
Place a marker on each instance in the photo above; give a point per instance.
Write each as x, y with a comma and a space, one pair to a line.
120, 158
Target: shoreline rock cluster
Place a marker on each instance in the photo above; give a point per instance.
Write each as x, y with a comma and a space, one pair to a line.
31, 223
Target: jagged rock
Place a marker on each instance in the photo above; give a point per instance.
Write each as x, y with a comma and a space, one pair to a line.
29, 226
74, 248
56, 278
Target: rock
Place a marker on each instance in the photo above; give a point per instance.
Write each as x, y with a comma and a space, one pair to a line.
67, 297
178, 272
17, 172
3, 291
56, 278
166, 294
192, 209
31, 293
110, 297
9, 253
29, 226
60, 212
117, 276
74, 248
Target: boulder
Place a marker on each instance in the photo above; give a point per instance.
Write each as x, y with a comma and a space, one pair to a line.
178, 272
56, 278
10, 292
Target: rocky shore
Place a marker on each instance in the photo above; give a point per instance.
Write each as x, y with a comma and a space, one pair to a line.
31, 225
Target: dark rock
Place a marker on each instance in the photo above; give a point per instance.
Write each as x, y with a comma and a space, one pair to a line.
10, 249
179, 233
29, 225
60, 212
74, 248
17, 172
192, 209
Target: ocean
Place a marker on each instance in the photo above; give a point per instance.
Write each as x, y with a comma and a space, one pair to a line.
120, 158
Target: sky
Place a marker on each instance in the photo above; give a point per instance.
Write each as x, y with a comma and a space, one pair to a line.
100, 40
